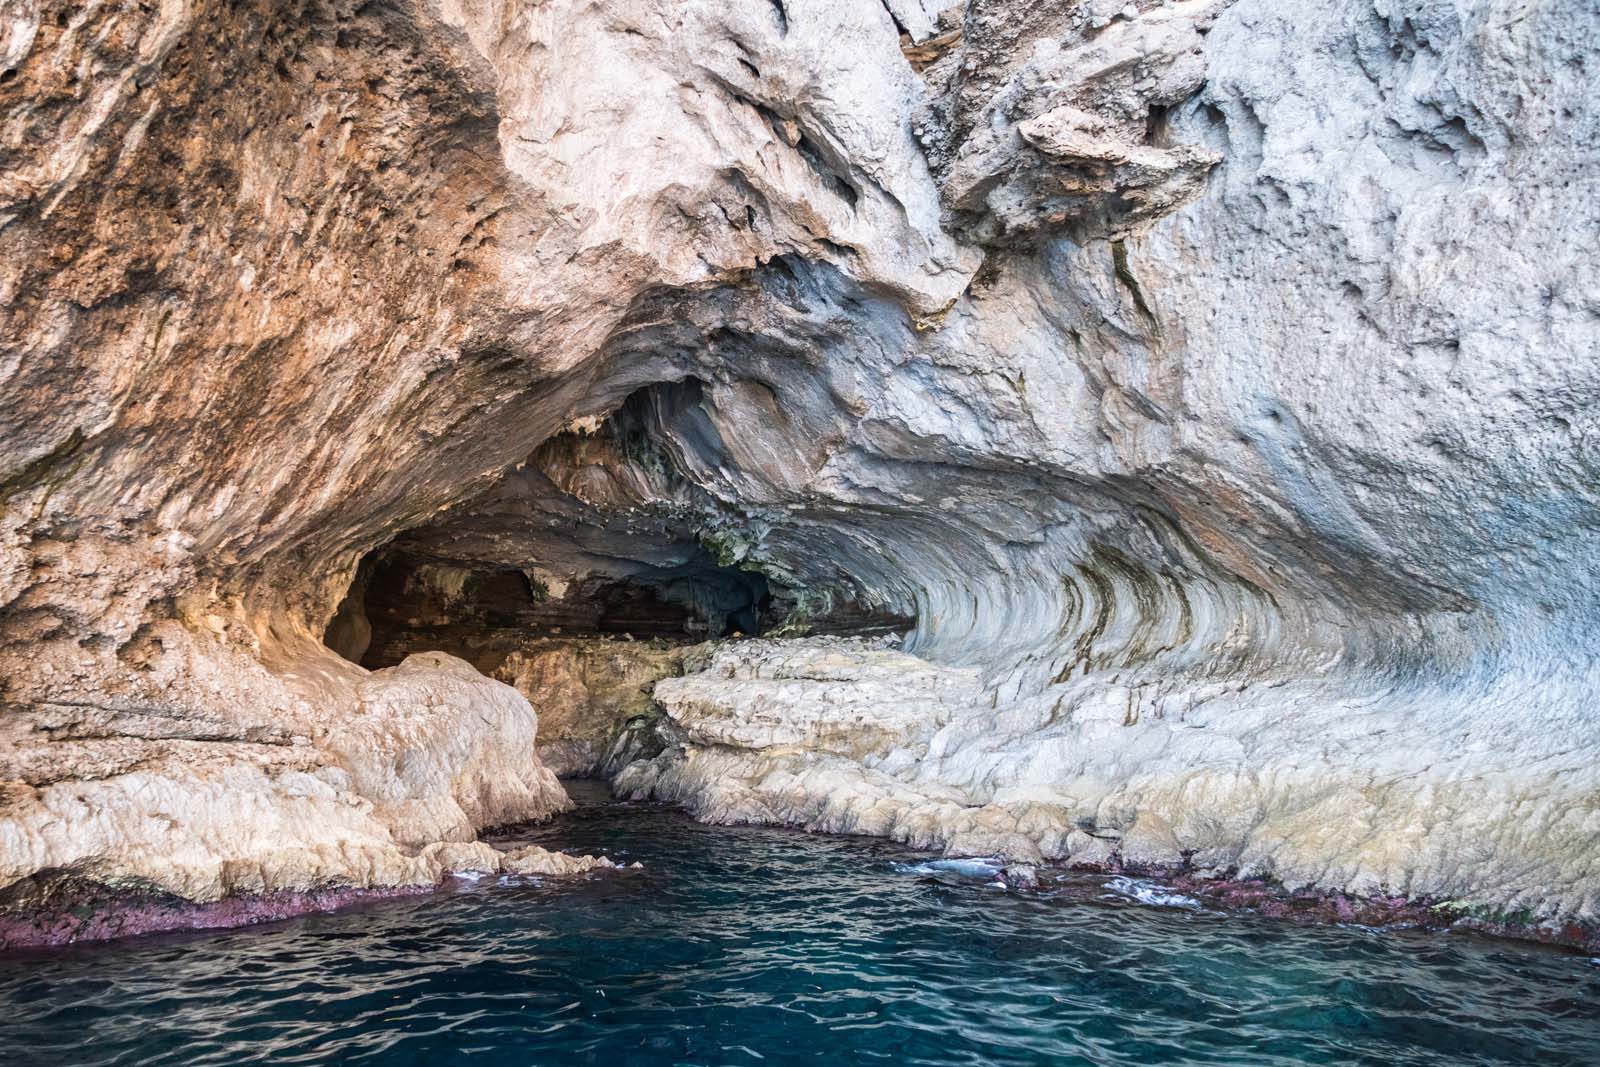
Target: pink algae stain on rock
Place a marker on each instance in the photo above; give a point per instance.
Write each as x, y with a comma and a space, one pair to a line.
102, 919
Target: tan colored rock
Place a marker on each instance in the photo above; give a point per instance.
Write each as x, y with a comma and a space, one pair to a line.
443, 752
462, 857
585, 691
531, 859
478, 857
200, 821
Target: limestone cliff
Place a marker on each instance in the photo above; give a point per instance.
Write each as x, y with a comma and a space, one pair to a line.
1207, 387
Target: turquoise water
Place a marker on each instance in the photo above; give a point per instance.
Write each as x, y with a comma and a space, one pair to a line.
751, 946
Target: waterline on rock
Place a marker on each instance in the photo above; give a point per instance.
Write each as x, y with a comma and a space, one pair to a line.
1147, 892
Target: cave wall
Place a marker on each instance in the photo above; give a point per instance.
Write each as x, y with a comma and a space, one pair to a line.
1267, 525
282, 282
1210, 382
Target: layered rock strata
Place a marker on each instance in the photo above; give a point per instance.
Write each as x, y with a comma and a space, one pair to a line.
845, 737
377, 793
1206, 386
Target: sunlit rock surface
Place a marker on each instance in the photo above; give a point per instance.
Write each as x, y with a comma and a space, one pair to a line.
199, 808
1207, 388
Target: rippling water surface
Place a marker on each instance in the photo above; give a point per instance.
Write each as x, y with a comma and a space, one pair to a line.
749, 946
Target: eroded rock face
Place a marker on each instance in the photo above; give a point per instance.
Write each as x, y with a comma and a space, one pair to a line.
1054, 119
156, 802
1211, 383
589, 691
1225, 506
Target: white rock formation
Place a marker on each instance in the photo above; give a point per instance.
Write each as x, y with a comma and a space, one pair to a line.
429, 753
1262, 523
1213, 383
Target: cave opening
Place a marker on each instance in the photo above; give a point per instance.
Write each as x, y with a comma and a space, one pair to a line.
402, 602
605, 532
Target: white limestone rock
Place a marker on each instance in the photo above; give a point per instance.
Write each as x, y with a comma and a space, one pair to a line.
379, 792
443, 752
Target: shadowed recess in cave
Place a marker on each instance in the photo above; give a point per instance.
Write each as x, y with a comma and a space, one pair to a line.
400, 604
605, 531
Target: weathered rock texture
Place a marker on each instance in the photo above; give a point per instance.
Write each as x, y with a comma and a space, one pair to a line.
587, 689
362, 794
1212, 383
67, 911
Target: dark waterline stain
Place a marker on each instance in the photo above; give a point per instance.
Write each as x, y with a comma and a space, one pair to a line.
757, 946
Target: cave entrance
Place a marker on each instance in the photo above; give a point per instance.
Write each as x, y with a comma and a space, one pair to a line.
402, 603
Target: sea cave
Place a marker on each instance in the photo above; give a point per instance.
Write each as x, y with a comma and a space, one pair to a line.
669, 532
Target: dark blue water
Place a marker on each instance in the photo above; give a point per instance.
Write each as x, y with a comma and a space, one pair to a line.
748, 946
